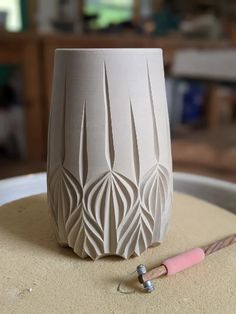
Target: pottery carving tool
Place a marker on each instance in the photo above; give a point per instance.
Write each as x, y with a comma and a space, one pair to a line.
180, 262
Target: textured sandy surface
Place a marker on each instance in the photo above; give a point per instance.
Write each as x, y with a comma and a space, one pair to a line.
37, 276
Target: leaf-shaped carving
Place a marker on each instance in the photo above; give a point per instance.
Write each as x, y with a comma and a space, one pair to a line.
75, 225
65, 192
76, 232
156, 184
146, 226
109, 214
65, 196
129, 232
109, 203
155, 193
136, 231
145, 219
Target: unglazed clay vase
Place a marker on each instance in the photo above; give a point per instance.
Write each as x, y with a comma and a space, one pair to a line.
109, 157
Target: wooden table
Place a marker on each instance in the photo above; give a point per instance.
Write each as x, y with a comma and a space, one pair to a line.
23, 49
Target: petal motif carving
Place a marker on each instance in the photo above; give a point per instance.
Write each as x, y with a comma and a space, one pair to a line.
65, 192
110, 214
155, 191
75, 225
76, 231
65, 196
109, 204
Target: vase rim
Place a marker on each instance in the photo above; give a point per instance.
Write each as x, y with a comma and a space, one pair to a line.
107, 49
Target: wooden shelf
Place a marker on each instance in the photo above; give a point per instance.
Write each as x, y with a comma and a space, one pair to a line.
35, 53
23, 49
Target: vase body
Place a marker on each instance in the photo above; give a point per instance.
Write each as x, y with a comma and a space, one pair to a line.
109, 157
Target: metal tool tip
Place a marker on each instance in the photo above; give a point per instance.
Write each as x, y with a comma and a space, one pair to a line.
141, 269
148, 286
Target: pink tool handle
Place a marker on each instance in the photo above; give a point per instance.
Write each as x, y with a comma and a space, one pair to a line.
185, 260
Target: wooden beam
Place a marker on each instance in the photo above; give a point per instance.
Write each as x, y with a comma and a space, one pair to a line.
136, 11
32, 15
32, 102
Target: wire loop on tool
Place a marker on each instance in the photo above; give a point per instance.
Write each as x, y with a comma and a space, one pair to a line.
122, 281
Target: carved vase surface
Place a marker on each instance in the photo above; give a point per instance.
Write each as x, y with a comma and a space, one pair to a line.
109, 158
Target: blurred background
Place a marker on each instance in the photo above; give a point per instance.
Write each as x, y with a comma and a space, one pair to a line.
198, 38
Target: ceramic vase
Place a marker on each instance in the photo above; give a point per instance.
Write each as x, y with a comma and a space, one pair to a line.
109, 156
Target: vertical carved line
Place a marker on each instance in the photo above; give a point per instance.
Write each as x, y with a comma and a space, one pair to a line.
94, 200
49, 145
76, 221
110, 151
83, 156
155, 133
111, 215
63, 129
112, 219
135, 146
65, 210
64, 190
